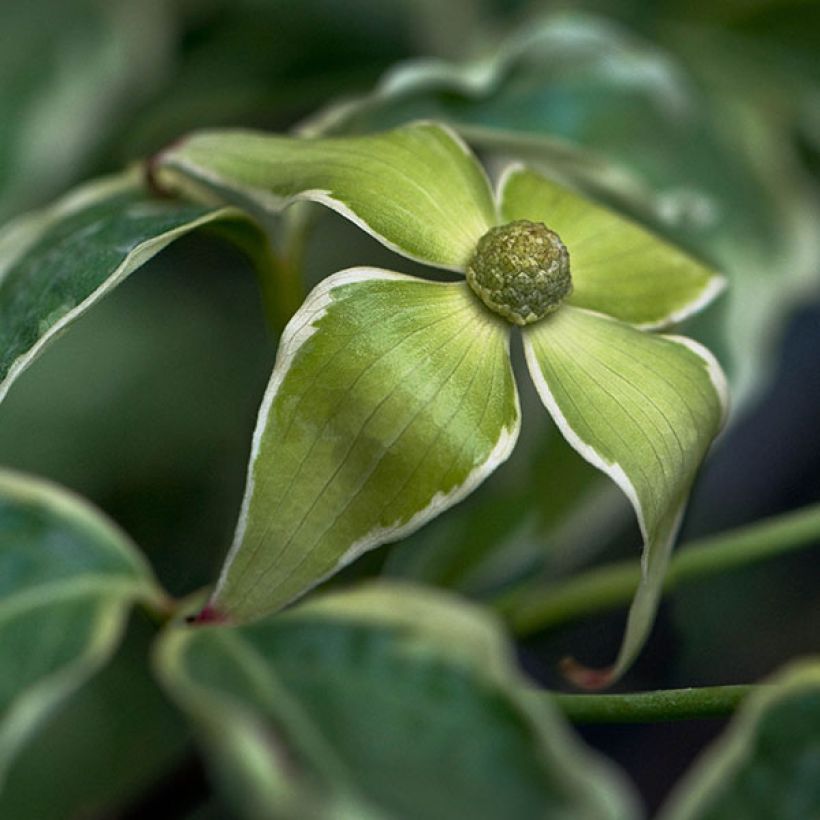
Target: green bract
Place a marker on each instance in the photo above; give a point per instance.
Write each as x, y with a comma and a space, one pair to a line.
393, 397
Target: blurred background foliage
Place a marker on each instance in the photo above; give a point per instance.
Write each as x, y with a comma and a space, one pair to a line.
701, 119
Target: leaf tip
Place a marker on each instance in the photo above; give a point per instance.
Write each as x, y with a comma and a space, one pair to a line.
585, 677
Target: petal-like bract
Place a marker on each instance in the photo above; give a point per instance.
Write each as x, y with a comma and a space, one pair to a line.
417, 189
392, 398
617, 266
644, 410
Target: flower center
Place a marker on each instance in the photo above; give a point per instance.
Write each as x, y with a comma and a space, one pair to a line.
521, 271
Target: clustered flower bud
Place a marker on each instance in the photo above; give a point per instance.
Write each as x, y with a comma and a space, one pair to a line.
520, 271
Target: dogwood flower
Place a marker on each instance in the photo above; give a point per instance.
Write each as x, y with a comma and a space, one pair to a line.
393, 397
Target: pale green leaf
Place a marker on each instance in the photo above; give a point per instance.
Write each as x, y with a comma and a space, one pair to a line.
67, 580
767, 765
387, 702
417, 189
617, 267
57, 263
392, 399
644, 410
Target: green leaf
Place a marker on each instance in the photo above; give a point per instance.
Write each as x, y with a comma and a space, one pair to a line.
351, 705
617, 266
67, 581
560, 73
417, 189
55, 264
767, 766
392, 399
94, 755
641, 408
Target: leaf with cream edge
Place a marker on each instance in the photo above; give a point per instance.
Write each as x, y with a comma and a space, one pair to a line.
417, 189
347, 704
392, 398
618, 267
68, 579
767, 765
644, 410
57, 263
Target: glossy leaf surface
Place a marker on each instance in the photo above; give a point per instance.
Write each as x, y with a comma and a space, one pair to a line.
57, 263
67, 580
92, 751
385, 702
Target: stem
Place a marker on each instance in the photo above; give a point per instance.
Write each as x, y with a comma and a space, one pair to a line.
280, 282
650, 707
281, 285
159, 607
298, 222
536, 607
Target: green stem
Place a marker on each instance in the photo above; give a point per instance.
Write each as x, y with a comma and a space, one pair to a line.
298, 223
649, 707
158, 606
536, 607
280, 280
280, 284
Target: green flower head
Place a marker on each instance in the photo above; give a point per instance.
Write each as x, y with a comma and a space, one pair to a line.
393, 397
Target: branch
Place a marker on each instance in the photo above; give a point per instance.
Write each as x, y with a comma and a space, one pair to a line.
649, 707
536, 607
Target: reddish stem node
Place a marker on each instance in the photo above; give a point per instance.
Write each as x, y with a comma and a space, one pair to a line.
210, 615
